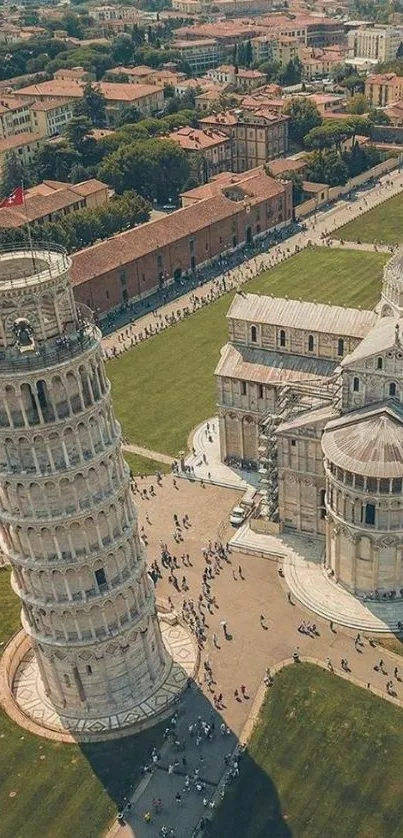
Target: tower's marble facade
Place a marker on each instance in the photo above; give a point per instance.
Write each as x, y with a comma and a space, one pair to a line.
68, 524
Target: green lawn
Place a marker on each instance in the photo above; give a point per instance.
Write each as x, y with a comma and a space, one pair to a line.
326, 759
381, 224
143, 465
164, 387
61, 790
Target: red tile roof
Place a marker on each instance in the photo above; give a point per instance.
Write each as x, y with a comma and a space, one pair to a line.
147, 238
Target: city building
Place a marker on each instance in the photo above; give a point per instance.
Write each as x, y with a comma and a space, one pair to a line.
212, 146
378, 43
310, 395
317, 63
68, 524
384, 89
200, 54
73, 74
134, 264
52, 200
258, 134
15, 116
239, 78
146, 97
25, 146
50, 118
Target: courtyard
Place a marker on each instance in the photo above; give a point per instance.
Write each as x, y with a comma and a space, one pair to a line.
93, 780
164, 387
383, 224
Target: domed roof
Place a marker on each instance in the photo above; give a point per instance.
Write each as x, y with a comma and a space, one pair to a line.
369, 443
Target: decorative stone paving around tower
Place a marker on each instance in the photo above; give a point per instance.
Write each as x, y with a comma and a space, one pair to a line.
29, 693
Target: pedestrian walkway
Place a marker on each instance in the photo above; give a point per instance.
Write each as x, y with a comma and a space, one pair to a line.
204, 463
148, 453
321, 224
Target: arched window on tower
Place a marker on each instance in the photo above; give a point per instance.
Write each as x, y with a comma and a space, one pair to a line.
379, 364
370, 514
253, 334
340, 346
282, 337
392, 389
311, 343
356, 384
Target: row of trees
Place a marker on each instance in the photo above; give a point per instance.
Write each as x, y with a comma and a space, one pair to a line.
86, 226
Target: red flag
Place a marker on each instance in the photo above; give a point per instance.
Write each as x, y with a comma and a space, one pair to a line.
16, 199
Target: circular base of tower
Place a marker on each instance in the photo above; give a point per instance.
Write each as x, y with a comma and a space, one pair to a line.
23, 697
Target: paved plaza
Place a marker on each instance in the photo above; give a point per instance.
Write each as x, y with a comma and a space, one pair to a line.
253, 644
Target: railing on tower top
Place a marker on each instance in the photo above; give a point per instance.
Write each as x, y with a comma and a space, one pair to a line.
59, 261
79, 336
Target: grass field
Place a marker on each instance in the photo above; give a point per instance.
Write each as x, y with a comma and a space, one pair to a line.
164, 387
381, 224
143, 465
53, 790
326, 759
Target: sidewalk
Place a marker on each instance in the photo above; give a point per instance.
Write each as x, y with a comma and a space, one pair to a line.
325, 221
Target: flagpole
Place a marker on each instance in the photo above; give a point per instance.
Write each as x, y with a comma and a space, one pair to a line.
27, 224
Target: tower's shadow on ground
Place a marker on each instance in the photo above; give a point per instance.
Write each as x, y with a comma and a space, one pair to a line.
118, 765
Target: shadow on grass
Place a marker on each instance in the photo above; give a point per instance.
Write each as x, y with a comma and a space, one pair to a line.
118, 765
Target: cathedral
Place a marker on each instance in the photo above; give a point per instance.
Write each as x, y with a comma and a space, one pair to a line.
311, 397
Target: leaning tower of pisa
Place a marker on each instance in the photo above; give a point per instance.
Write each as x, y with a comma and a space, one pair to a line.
68, 525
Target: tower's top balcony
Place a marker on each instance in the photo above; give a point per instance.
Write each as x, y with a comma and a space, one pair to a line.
22, 269
79, 336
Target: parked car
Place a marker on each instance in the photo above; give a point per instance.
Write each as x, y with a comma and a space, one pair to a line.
237, 516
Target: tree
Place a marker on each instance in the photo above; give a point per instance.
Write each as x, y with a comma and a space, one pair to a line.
248, 53
358, 103
327, 167
79, 173
122, 48
354, 84
55, 161
14, 173
304, 116
128, 114
92, 105
77, 131
156, 169
292, 74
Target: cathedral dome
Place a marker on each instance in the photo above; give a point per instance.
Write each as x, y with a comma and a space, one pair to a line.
369, 443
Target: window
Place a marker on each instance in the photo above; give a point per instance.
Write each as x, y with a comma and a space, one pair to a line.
191, 245
310, 343
370, 514
89, 670
340, 346
66, 680
322, 507
122, 277
243, 388
100, 576
282, 337
392, 389
253, 334
107, 295
261, 393
159, 261
356, 384
293, 443
379, 363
